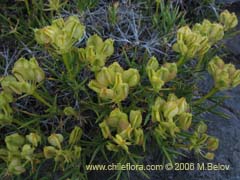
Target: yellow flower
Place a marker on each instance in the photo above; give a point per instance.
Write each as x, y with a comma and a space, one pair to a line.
158, 76
34, 139
225, 75
49, 152
212, 143
61, 35
105, 129
55, 140
213, 31
14, 142
135, 118
185, 120
113, 82
96, 52
229, 20
75, 135
121, 142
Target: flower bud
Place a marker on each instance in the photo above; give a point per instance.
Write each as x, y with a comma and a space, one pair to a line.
156, 109
55, 140
106, 93
163, 74
49, 152
229, 20
212, 143
126, 131
59, 23
135, 118
74, 28
16, 167
131, 77
120, 89
123, 124
28, 70
152, 64
46, 35
180, 47
96, 42
185, 120
104, 77
182, 105
170, 109
138, 136
108, 48
105, 129
115, 116
27, 152
75, 135
115, 68
14, 142
201, 127
90, 55
5, 100
82, 55
156, 81
34, 139
95, 86
172, 71
209, 156
63, 42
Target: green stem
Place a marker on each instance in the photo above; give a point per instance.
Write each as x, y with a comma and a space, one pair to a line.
208, 95
199, 64
19, 123
157, 7
66, 60
38, 97
181, 61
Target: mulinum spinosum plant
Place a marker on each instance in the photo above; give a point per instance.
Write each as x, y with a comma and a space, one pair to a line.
122, 111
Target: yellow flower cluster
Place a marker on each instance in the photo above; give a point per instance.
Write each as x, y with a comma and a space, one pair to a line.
190, 44
201, 142
26, 75
228, 20
96, 52
121, 130
113, 82
172, 116
197, 41
60, 155
225, 75
61, 35
158, 76
19, 151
